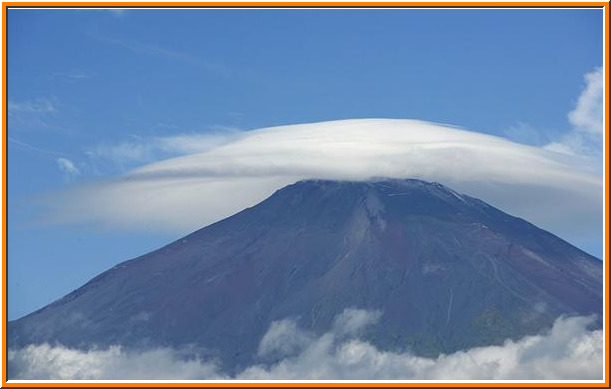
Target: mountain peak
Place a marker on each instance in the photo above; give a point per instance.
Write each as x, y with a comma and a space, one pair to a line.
447, 271
376, 182
382, 196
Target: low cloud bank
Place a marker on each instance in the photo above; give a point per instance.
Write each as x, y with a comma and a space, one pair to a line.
568, 352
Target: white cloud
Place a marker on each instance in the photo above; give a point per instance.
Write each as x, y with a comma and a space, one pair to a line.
587, 117
68, 168
568, 352
351, 321
283, 338
587, 120
44, 362
189, 192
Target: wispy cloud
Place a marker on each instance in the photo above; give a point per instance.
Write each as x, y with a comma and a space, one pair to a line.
165, 52
587, 121
73, 75
37, 106
68, 168
35, 114
137, 151
568, 352
39, 150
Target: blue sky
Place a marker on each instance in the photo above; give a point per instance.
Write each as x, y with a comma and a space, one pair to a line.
89, 89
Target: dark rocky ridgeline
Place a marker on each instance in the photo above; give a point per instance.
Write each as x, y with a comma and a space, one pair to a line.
447, 271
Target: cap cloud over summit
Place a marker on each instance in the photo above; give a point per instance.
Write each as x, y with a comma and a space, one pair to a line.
186, 193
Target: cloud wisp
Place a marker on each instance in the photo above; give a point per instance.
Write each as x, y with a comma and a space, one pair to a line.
33, 107
35, 114
137, 151
186, 193
154, 50
73, 75
68, 168
569, 351
34, 149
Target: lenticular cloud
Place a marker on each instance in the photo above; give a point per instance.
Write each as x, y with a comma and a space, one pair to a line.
555, 191
568, 352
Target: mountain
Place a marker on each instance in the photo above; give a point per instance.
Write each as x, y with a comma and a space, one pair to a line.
447, 271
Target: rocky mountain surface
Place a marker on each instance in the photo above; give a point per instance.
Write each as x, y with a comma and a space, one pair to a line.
447, 271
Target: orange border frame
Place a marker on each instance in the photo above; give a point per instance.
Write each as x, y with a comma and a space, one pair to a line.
483, 4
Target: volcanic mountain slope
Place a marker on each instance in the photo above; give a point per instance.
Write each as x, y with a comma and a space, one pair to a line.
446, 270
